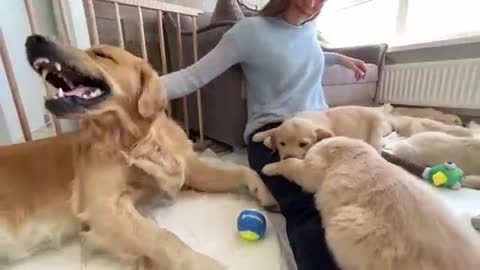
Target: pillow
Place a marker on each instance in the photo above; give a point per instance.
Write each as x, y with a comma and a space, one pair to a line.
227, 10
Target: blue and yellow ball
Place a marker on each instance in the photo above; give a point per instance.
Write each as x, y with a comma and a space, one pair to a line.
251, 225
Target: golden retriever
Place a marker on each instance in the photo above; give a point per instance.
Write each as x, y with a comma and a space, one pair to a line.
407, 126
91, 182
433, 148
429, 113
296, 135
376, 215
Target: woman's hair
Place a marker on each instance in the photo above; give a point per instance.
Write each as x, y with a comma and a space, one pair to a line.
275, 8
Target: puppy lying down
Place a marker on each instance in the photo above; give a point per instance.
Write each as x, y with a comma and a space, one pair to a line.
296, 135
407, 126
432, 148
376, 215
429, 113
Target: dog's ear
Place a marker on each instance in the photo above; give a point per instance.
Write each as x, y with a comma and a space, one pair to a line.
268, 142
271, 142
323, 134
153, 96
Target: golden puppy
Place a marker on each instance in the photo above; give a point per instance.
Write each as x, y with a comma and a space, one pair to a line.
407, 126
92, 181
296, 135
433, 148
376, 215
428, 113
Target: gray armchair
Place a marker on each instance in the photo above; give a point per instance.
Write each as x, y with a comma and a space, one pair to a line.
224, 105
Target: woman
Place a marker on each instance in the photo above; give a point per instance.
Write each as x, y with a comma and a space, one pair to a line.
283, 64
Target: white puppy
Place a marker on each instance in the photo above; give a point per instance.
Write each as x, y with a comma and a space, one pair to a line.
376, 215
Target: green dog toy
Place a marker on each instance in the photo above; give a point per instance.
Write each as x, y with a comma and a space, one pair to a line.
445, 175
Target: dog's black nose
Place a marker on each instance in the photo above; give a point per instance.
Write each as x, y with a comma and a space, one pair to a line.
35, 40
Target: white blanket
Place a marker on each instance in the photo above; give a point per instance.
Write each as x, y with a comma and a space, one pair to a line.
205, 222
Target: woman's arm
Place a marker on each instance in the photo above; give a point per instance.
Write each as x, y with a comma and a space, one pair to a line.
331, 58
358, 66
186, 81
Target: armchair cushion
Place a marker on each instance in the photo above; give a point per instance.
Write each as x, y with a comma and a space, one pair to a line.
373, 54
226, 10
337, 75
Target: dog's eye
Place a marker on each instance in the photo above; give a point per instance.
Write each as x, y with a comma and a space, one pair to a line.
282, 143
303, 144
103, 55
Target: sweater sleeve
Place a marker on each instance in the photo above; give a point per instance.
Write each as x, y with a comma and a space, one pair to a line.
186, 81
331, 58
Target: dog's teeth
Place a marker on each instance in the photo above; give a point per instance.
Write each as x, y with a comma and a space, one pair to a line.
58, 67
97, 92
85, 95
60, 92
38, 61
44, 73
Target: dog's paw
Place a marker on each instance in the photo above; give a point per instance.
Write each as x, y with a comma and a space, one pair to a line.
172, 186
259, 137
270, 169
259, 190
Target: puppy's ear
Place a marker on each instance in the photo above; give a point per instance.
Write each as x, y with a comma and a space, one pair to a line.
323, 134
268, 142
153, 96
272, 141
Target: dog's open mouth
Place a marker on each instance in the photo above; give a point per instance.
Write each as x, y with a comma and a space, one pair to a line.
70, 83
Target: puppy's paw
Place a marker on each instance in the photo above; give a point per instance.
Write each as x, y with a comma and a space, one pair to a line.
259, 137
258, 189
271, 169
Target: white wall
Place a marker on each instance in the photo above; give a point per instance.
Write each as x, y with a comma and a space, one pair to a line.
14, 23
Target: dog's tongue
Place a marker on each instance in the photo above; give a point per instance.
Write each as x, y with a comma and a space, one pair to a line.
79, 91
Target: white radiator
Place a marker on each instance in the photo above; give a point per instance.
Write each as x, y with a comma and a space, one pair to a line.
450, 84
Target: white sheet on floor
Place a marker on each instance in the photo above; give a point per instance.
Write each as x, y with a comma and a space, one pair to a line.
205, 222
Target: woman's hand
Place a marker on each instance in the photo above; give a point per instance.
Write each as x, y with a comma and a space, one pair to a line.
358, 66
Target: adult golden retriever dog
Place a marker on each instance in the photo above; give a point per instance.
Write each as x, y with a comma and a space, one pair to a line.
376, 215
89, 181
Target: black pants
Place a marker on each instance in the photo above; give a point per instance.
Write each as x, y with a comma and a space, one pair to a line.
304, 227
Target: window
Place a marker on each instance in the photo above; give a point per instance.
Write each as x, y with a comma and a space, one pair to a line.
397, 22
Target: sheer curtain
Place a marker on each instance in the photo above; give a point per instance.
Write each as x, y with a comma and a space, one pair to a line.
354, 22
398, 22
441, 19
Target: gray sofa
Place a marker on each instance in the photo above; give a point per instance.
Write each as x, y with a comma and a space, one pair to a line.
224, 104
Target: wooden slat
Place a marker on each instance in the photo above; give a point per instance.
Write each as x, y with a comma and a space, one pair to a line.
163, 54
31, 18
119, 25
142, 33
92, 22
7, 64
65, 23
180, 65
158, 5
198, 93
33, 28
161, 36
